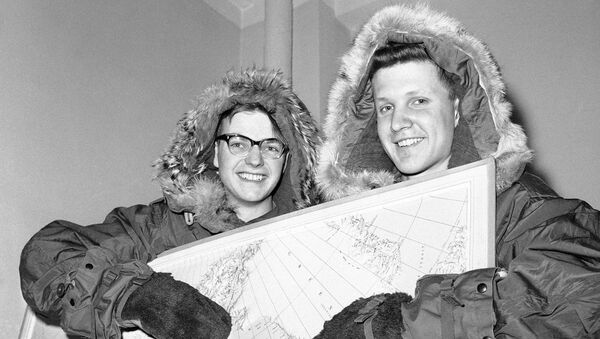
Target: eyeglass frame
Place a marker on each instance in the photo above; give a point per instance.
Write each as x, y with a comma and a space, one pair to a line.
225, 137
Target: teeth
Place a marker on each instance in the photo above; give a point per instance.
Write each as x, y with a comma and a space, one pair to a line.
409, 142
252, 177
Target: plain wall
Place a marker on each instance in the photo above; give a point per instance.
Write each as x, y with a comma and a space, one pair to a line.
91, 90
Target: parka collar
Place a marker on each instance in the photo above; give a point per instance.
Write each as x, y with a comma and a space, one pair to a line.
352, 159
185, 172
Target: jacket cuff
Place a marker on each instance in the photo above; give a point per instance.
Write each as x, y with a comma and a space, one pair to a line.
91, 305
452, 306
475, 316
133, 285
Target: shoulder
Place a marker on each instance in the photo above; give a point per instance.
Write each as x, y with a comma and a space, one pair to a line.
531, 212
529, 186
531, 201
527, 194
530, 194
153, 212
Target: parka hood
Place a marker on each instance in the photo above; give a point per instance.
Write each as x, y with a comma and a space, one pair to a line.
190, 182
352, 159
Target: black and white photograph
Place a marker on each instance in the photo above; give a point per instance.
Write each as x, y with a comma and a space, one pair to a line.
321, 169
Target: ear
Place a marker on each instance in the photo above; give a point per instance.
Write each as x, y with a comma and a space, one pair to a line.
216, 156
456, 114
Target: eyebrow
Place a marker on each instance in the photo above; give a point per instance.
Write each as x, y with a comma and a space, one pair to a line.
409, 93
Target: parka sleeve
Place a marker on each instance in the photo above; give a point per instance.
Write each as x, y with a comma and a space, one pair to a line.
81, 274
552, 254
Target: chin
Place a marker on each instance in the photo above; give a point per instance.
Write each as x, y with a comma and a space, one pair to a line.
408, 166
411, 171
251, 198
257, 197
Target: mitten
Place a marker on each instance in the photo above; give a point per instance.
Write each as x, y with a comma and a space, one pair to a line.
166, 308
378, 316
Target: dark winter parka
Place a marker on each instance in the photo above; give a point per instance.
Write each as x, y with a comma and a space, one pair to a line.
85, 274
548, 246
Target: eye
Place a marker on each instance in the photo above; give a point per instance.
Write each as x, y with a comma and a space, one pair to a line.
419, 101
273, 146
385, 108
238, 143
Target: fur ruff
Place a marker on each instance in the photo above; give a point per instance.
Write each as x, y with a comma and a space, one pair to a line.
511, 153
185, 171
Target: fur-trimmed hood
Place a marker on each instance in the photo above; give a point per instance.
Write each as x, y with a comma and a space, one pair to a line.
352, 159
186, 174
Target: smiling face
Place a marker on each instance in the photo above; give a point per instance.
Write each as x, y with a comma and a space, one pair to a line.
415, 117
249, 180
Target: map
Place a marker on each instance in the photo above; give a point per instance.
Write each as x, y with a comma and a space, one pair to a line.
284, 277
307, 275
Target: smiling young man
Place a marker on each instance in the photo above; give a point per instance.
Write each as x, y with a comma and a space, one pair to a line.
250, 152
244, 154
418, 94
416, 116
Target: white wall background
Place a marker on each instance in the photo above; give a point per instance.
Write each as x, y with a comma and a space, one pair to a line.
91, 90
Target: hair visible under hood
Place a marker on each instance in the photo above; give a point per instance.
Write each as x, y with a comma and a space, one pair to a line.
190, 182
352, 159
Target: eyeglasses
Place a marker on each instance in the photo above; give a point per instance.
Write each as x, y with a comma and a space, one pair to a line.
240, 145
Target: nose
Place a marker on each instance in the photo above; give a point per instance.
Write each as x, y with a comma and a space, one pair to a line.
254, 157
401, 119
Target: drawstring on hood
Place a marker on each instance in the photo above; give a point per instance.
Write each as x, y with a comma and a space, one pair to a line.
190, 182
352, 159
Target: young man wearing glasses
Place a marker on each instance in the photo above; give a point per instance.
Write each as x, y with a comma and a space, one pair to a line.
244, 154
250, 154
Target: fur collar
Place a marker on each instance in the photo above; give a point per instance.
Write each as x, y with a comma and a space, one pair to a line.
188, 179
485, 112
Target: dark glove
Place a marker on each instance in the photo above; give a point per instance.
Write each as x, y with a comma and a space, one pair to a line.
378, 316
167, 308
446, 306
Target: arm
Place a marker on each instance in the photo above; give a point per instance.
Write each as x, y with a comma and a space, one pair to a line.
551, 288
550, 248
85, 275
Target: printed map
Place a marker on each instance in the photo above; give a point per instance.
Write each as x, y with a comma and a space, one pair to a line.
285, 278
